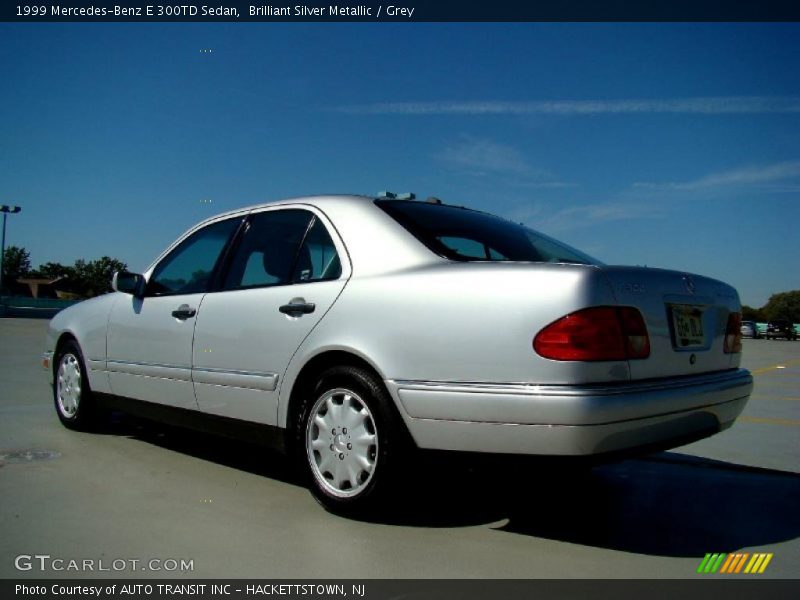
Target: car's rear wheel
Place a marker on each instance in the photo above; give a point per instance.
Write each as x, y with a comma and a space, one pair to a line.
73, 398
349, 441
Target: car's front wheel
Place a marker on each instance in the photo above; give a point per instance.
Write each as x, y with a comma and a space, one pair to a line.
349, 440
73, 397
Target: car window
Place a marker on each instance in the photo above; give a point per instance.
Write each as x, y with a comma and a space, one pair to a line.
189, 267
471, 248
318, 259
281, 247
467, 235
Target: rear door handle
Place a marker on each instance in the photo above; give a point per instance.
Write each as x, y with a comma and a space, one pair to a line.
184, 312
295, 309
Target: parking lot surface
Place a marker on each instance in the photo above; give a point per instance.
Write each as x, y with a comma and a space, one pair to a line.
143, 493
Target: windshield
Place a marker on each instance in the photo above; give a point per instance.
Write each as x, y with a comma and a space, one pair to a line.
468, 235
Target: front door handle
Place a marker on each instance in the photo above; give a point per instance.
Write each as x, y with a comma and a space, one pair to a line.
296, 309
184, 312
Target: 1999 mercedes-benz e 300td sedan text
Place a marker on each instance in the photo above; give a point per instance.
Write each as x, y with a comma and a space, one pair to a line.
347, 329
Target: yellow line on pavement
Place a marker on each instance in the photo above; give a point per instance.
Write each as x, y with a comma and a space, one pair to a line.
779, 367
768, 421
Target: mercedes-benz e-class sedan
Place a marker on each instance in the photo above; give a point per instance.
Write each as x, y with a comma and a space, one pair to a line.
350, 331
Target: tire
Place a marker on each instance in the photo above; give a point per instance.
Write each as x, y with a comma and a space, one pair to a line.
349, 440
75, 406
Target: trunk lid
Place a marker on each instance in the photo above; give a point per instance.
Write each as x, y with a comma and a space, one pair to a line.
686, 317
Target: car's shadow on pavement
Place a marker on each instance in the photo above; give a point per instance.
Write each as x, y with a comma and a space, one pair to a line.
666, 504
243, 456
671, 504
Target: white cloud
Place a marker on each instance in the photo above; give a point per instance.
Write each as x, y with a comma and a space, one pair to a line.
481, 155
712, 105
553, 185
529, 213
748, 175
589, 215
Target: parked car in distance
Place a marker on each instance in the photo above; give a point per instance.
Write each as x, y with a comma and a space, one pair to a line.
750, 330
780, 328
352, 331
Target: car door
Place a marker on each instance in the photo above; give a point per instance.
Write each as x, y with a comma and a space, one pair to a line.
149, 341
284, 274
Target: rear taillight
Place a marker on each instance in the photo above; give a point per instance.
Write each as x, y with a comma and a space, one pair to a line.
635, 331
733, 334
592, 334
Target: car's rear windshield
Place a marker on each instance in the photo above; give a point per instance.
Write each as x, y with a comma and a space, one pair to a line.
469, 235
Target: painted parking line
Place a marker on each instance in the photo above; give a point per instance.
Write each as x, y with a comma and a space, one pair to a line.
779, 367
770, 421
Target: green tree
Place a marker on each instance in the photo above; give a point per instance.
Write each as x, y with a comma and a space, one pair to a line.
752, 314
52, 270
94, 277
85, 278
16, 264
785, 305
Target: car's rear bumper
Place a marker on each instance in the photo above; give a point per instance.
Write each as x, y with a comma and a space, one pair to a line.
570, 420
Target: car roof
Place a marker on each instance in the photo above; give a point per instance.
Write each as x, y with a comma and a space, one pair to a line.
321, 198
383, 245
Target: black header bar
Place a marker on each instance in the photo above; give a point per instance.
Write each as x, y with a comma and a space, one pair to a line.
268, 11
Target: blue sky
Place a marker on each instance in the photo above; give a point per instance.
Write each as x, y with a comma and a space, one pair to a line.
667, 145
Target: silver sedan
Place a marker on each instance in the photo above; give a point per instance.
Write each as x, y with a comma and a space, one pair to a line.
352, 331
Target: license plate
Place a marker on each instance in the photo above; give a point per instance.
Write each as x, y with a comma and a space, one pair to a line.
687, 323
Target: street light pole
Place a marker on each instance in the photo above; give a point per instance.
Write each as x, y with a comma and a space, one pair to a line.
5, 210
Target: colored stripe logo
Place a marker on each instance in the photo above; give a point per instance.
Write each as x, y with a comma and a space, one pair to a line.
736, 563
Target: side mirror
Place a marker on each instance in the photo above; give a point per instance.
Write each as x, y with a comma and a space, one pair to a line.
128, 283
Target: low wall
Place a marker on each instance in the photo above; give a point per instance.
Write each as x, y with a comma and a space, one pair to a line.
43, 308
